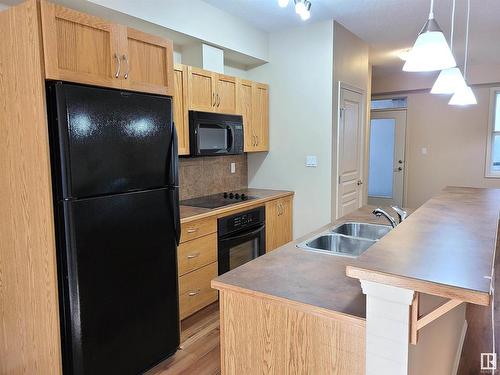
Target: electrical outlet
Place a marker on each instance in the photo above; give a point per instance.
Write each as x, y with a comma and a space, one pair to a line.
233, 167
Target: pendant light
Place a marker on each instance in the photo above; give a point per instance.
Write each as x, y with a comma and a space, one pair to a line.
464, 95
430, 51
451, 79
283, 3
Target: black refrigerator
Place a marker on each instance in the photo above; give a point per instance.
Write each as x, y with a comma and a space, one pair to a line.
116, 203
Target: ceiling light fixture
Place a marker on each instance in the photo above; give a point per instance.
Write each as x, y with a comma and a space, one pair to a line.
303, 9
430, 51
464, 95
283, 3
451, 79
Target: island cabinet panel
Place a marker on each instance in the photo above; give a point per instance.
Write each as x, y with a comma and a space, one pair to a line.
147, 63
278, 222
201, 90
85, 49
266, 336
79, 47
180, 108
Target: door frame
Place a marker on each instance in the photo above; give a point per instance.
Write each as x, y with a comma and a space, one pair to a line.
345, 86
405, 161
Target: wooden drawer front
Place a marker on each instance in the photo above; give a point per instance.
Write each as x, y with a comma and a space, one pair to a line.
198, 228
197, 253
194, 290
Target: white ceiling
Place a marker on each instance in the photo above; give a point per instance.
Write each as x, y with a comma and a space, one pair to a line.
387, 25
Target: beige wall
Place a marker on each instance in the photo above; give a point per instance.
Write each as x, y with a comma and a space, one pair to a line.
351, 67
439, 343
455, 138
299, 74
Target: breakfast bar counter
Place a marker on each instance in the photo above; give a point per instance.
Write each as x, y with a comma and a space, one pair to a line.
370, 304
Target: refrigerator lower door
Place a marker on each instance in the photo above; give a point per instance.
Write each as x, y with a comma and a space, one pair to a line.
120, 283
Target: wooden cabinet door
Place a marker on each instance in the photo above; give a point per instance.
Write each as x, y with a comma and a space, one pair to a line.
226, 94
201, 90
260, 119
244, 108
147, 62
79, 47
278, 222
180, 108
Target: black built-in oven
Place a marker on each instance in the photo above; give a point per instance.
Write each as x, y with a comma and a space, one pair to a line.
242, 237
215, 134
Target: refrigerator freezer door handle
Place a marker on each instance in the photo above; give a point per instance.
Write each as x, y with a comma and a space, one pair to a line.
174, 183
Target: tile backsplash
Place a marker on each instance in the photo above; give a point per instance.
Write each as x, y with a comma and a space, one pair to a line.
212, 174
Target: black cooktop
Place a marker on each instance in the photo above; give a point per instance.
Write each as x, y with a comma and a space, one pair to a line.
219, 200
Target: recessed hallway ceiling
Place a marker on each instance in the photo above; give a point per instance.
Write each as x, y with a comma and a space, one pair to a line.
387, 25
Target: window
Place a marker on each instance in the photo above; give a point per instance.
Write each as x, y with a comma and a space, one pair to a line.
391, 103
493, 147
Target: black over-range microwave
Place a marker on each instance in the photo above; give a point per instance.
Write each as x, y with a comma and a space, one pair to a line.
215, 134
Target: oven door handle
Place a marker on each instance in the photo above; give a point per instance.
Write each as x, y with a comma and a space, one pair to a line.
244, 235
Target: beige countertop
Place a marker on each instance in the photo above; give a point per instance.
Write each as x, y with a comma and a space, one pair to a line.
444, 248
302, 276
189, 213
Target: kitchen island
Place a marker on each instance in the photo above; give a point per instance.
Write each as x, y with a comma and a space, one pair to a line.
298, 311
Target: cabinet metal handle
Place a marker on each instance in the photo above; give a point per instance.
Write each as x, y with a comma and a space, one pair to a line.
257, 140
213, 100
192, 294
192, 230
125, 58
218, 100
195, 255
359, 182
118, 66
280, 208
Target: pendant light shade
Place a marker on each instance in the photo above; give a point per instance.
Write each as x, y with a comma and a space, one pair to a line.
448, 82
430, 51
463, 96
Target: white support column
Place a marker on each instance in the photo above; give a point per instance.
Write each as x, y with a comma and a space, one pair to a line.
387, 328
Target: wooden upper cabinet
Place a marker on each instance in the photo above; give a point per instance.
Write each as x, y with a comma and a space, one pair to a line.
147, 63
260, 119
79, 47
226, 94
201, 90
253, 105
278, 222
82, 48
180, 108
244, 108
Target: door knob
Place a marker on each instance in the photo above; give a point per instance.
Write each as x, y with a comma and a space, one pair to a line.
359, 182
398, 169
400, 161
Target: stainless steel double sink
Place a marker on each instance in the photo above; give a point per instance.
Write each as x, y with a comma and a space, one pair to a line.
349, 239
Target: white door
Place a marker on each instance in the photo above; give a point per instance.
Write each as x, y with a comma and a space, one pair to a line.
387, 158
350, 152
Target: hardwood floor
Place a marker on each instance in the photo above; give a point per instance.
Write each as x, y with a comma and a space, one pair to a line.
199, 352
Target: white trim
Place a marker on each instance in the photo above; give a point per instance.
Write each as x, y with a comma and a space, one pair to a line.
491, 123
458, 353
346, 86
387, 328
